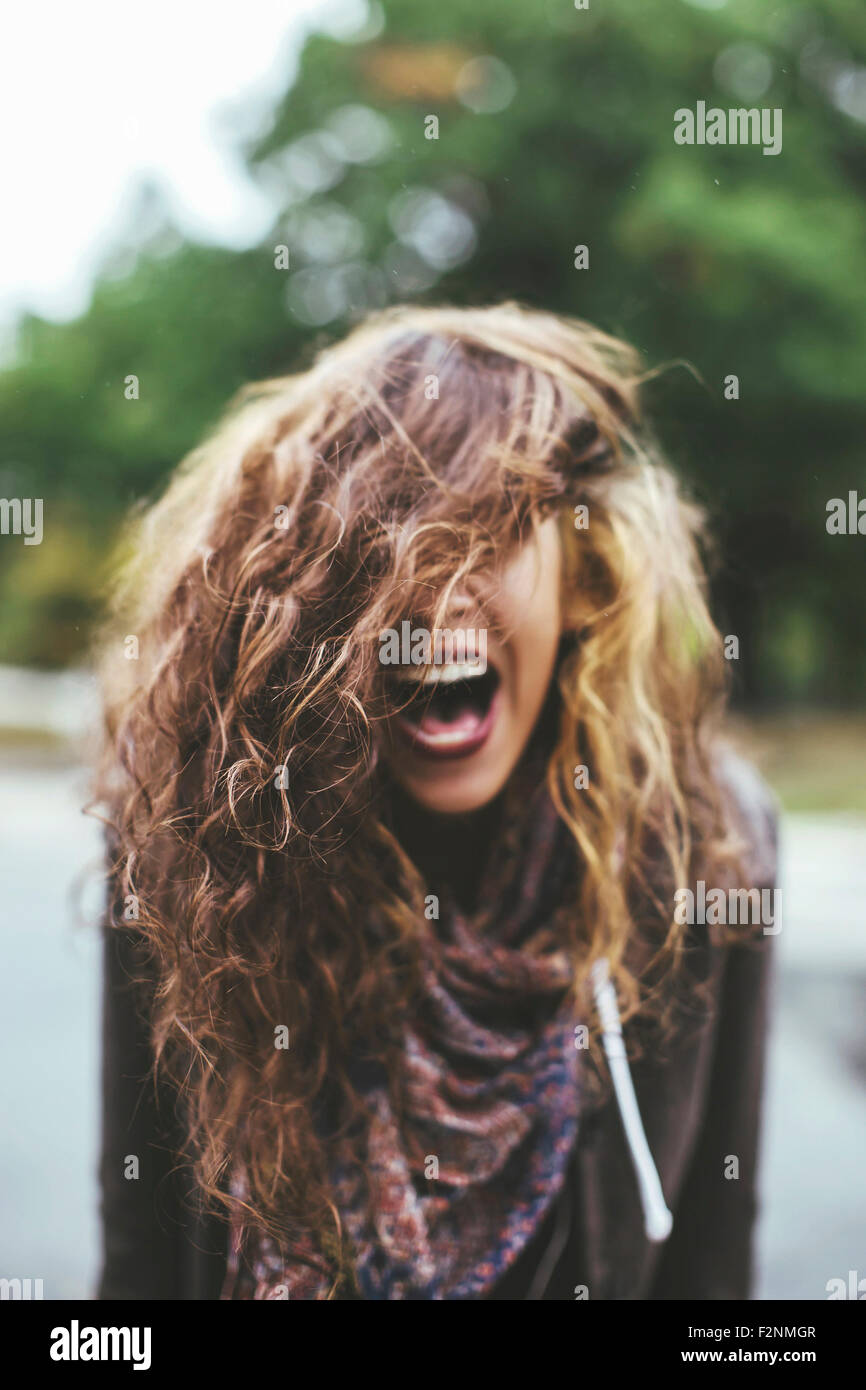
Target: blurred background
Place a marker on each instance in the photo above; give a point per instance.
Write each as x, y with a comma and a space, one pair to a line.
153, 165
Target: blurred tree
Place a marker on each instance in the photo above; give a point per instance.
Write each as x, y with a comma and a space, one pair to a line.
448, 154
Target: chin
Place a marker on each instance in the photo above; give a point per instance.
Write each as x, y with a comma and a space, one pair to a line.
456, 794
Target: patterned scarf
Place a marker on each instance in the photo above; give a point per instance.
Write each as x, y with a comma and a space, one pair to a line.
446, 1199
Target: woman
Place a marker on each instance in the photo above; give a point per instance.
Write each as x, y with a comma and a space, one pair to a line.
412, 751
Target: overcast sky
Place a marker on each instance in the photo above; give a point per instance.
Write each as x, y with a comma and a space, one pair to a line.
97, 93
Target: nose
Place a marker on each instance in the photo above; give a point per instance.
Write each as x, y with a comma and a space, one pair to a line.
467, 604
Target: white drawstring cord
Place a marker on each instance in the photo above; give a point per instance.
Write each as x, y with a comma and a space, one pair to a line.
658, 1220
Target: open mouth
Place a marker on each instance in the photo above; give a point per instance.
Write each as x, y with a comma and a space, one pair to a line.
448, 711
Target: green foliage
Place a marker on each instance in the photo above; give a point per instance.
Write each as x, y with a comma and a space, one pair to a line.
718, 256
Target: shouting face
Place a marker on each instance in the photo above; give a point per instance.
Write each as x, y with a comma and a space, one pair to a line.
470, 695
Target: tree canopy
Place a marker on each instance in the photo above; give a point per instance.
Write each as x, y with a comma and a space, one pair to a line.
456, 153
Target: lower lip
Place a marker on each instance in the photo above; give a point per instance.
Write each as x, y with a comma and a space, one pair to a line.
426, 747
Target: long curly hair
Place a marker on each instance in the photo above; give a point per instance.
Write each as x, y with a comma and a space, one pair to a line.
243, 698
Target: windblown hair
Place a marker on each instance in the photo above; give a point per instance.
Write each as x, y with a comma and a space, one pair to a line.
241, 765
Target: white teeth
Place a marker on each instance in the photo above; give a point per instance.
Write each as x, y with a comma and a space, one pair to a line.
447, 673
